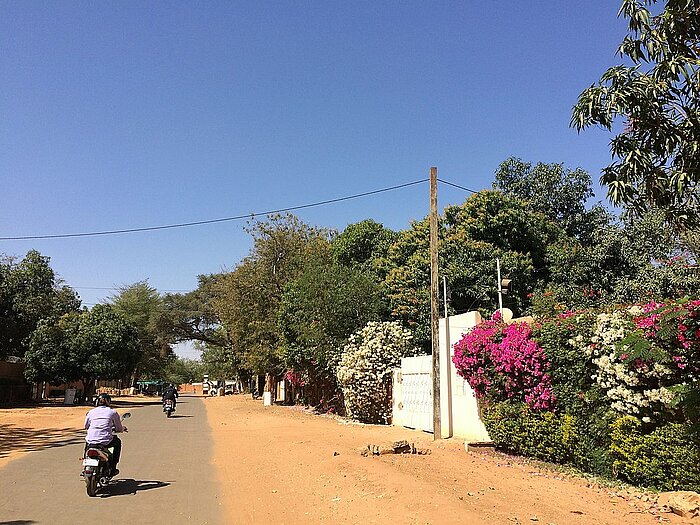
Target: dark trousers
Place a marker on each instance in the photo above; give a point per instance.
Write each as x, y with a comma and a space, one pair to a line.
116, 445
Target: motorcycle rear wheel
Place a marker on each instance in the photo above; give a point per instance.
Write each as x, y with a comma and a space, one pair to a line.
91, 485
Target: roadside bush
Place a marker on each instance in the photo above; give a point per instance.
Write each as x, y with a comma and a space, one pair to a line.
365, 370
516, 428
668, 458
549, 436
571, 370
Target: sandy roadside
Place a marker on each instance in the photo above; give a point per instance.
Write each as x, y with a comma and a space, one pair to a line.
23, 430
284, 465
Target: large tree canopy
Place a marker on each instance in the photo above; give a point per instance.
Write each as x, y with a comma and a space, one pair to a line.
142, 306
29, 292
559, 193
247, 300
657, 154
89, 345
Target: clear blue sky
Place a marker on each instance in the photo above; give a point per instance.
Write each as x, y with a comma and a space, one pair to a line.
119, 115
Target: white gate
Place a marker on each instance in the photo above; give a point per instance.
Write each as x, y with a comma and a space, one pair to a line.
414, 398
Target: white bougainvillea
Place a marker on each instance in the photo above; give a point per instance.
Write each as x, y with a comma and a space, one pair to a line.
636, 391
365, 369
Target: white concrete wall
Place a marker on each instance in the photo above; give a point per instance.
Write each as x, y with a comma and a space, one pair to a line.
459, 413
456, 396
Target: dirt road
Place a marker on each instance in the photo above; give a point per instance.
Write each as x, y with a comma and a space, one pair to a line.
231, 460
282, 465
166, 473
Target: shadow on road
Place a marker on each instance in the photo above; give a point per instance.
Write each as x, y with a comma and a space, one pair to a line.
17, 522
14, 438
178, 416
123, 487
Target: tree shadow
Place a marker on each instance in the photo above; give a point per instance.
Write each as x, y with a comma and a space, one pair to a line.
18, 439
124, 487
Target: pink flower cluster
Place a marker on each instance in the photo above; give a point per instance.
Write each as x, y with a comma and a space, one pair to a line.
295, 378
686, 334
498, 356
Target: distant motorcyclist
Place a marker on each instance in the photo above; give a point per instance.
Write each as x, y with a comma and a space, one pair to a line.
170, 392
99, 423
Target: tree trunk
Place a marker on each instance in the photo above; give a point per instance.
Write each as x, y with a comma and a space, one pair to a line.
89, 386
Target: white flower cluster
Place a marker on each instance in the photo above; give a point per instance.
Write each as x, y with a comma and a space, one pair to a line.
365, 369
637, 392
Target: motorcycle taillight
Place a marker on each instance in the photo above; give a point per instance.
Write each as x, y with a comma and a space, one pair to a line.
92, 453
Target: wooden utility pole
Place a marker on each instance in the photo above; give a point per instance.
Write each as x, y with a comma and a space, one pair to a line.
434, 291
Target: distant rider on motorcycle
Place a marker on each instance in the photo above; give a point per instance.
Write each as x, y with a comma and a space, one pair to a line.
170, 392
99, 423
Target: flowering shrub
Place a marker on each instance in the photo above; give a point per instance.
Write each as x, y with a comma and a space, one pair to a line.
365, 369
642, 354
295, 378
502, 361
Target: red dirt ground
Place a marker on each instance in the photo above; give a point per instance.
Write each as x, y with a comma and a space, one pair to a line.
283, 465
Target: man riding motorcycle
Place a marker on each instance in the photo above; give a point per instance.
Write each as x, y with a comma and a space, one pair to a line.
99, 423
170, 392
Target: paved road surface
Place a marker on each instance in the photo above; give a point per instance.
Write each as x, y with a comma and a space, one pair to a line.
166, 476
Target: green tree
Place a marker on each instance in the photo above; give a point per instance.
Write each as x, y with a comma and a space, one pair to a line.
29, 292
555, 191
657, 154
89, 345
180, 371
247, 299
362, 243
488, 225
633, 260
142, 306
320, 309
192, 316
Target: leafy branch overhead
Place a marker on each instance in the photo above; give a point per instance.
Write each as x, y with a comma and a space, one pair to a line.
656, 155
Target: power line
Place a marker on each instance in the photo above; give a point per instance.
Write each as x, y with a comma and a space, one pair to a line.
211, 221
457, 186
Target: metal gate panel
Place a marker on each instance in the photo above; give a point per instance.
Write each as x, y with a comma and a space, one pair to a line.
417, 392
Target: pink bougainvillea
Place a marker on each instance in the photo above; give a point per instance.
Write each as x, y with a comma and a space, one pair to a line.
295, 378
502, 361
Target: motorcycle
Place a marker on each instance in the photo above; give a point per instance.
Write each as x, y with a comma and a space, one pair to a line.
168, 407
96, 465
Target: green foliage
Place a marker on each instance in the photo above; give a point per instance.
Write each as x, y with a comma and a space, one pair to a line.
362, 243
667, 458
638, 259
555, 437
321, 309
657, 155
180, 371
248, 299
29, 292
142, 306
93, 344
192, 316
571, 370
555, 191
488, 225
543, 435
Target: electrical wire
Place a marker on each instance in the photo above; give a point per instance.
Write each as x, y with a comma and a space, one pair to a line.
456, 186
212, 221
